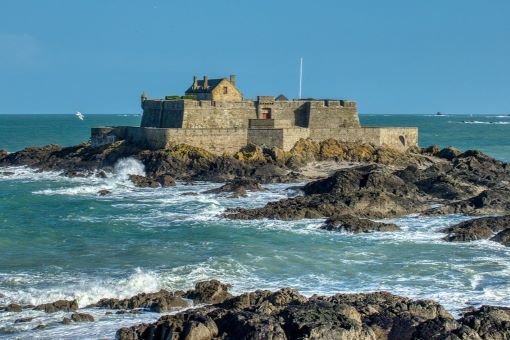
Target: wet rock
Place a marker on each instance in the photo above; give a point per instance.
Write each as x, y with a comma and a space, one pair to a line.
23, 320
189, 193
285, 314
104, 192
488, 322
13, 307
166, 181
239, 186
162, 301
41, 326
6, 173
448, 153
143, 182
477, 229
503, 237
58, 306
3, 154
352, 224
101, 174
365, 191
75, 173
82, 317
67, 321
212, 291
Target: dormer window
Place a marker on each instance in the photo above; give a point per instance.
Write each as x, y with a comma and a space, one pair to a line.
225, 89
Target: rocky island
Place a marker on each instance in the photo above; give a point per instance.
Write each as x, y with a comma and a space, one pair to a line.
353, 183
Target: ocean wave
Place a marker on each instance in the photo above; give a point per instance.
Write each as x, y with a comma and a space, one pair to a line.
85, 290
487, 123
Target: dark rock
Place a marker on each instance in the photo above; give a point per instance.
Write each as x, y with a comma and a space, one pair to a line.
352, 224
6, 173
13, 307
162, 301
503, 237
67, 321
286, 314
58, 306
239, 192
143, 182
238, 186
189, 193
166, 181
101, 174
366, 191
41, 326
75, 173
104, 192
82, 317
3, 154
477, 229
23, 320
449, 153
488, 322
432, 150
212, 291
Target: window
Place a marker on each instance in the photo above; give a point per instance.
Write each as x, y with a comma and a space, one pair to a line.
225, 90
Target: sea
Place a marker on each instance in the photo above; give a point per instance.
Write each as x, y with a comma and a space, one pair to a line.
60, 240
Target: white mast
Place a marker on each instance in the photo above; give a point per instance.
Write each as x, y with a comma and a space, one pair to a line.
300, 77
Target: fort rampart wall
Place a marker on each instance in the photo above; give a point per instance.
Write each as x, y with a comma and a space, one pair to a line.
230, 140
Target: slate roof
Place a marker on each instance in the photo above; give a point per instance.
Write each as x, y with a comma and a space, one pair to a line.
211, 82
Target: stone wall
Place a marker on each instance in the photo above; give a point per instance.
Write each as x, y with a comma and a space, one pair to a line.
201, 114
267, 137
331, 113
217, 115
396, 138
217, 141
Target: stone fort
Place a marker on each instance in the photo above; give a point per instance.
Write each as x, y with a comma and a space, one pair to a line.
214, 115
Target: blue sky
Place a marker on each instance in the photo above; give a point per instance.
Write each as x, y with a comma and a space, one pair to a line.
393, 56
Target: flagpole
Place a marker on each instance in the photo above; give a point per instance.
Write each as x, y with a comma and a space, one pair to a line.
300, 77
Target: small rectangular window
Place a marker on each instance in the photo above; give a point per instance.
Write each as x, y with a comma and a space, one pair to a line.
225, 90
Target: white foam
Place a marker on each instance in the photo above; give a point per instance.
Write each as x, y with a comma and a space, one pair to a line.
83, 289
128, 166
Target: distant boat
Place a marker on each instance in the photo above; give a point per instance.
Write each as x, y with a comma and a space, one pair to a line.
439, 114
79, 115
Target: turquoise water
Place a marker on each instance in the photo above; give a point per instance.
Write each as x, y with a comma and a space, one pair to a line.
59, 239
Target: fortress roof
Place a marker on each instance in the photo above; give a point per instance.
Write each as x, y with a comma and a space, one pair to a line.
211, 84
207, 85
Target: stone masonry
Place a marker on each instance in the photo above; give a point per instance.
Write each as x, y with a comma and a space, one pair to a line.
214, 116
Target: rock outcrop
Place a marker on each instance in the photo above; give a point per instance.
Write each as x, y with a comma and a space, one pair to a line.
81, 317
212, 291
237, 188
13, 307
58, 306
286, 314
162, 301
471, 183
353, 224
496, 228
184, 162
143, 182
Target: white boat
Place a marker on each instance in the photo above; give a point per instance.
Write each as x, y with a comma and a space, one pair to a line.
79, 115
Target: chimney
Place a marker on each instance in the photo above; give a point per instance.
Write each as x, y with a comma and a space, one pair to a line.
206, 82
233, 79
195, 83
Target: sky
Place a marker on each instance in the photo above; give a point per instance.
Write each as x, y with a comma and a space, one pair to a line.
392, 56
